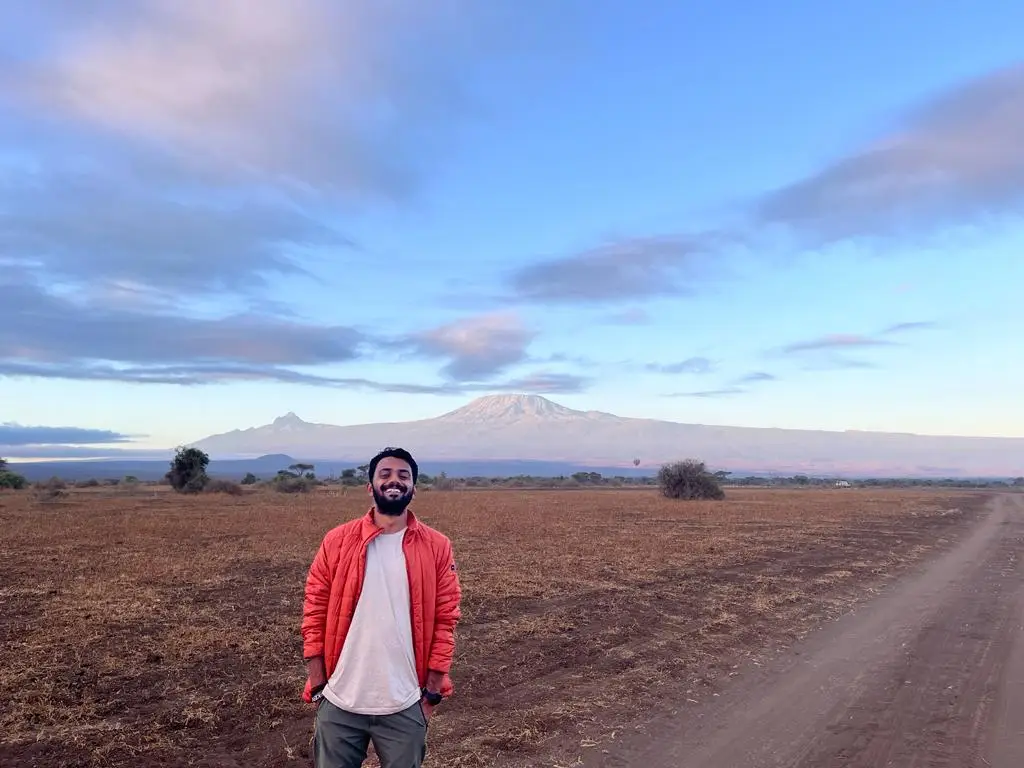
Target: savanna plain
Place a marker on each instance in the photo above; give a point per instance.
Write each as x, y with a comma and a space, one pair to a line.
143, 627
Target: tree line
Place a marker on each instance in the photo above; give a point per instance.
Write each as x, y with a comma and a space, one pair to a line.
690, 478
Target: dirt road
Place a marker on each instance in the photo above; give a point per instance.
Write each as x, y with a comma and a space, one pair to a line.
929, 673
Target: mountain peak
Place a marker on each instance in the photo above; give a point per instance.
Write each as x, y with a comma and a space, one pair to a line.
512, 407
288, 420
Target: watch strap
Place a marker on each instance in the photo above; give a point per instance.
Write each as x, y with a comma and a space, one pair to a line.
432, 698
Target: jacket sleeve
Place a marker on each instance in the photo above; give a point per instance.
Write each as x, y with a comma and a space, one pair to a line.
446, 611
314, 606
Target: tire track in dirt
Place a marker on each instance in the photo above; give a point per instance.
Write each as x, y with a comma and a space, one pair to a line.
930, 674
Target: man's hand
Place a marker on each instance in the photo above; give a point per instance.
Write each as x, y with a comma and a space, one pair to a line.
317, 673
434, 680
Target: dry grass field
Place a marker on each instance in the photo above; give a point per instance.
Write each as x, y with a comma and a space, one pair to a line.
147, 628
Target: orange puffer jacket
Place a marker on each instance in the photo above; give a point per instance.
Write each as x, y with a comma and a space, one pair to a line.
335, 581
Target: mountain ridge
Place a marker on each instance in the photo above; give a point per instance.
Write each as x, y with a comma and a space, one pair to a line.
533, 428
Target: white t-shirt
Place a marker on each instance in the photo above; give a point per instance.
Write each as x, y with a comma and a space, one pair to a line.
376, 673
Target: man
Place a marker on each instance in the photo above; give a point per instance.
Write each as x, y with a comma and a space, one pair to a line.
378, 626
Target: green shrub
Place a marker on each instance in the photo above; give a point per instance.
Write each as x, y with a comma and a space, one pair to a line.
12, 480
188, 470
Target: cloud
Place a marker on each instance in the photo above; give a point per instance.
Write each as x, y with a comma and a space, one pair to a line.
48, 336
710, 393
826, 349
196, 148
697, 365
833, 362
830, 352
205, 375
475, 348
162, 155
912, 326
184, 375
756, 376
736, 387
58, 333
835, 341
12, 434
343, 96
92, 229
80, 452
954, 157
618, 270
541, 383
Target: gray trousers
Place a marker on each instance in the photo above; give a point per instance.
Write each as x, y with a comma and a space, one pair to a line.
341, 739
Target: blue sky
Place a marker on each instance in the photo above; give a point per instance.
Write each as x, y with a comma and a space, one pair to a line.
784, 216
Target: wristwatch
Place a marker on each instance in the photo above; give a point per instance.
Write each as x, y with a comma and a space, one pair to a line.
317, 693
433, 699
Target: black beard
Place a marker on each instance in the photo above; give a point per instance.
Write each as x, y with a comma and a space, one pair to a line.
391, 507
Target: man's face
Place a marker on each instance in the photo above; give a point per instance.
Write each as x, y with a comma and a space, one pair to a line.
392, 486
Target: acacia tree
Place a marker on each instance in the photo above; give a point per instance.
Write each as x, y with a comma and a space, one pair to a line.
188, 470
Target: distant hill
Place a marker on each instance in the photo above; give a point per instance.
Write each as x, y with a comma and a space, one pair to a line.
516, 428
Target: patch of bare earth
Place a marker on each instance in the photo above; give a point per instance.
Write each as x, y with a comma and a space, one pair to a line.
155, 629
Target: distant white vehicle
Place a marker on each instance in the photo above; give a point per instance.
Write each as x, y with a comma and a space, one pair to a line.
842, 483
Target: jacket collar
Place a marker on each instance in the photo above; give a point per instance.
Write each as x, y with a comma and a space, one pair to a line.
370, 528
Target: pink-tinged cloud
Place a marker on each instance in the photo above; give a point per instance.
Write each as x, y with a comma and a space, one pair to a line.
959, 155
315, 93
477, 347
836, 341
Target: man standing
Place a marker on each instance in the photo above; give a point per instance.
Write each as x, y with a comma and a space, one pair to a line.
378, 626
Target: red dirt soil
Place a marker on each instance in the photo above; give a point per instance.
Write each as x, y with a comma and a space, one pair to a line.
929, 674
144, 628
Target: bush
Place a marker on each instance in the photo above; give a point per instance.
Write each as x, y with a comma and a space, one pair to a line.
220, 485
188, 470
285, 482
689, 479
12, 480
45, 493
53, 484
443, 483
